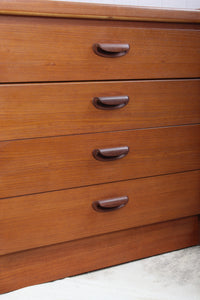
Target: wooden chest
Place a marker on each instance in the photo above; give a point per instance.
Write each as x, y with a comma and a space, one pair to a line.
99, 137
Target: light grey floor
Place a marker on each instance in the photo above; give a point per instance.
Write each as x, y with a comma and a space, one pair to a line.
170, 276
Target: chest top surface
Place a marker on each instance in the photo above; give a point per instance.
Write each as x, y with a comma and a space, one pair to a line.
68, 9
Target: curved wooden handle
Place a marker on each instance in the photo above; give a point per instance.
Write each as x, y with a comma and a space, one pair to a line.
110, 103
109, 154
111, 50
110, 204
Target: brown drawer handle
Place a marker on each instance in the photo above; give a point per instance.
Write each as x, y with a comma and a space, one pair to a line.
110, 153
110, 103
110, 204
111, 50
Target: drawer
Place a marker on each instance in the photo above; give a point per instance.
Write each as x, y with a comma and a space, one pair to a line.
49, 49
48, 218
38, 110
45, 164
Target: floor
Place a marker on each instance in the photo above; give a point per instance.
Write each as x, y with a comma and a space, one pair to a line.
170, 276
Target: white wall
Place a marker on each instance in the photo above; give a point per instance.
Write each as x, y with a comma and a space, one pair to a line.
193, 4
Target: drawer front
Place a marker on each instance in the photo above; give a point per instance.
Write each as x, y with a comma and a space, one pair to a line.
47, 49
48, 218
38, 165
38, 110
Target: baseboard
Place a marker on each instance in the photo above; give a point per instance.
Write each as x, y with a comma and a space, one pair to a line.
53, 262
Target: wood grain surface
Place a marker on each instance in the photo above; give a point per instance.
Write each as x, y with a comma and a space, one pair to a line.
66, 259
39, 110
46, 164
96, 11
29, 53
49, 177
50, 218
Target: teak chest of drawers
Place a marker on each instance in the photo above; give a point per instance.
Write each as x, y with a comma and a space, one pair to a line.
99, 137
